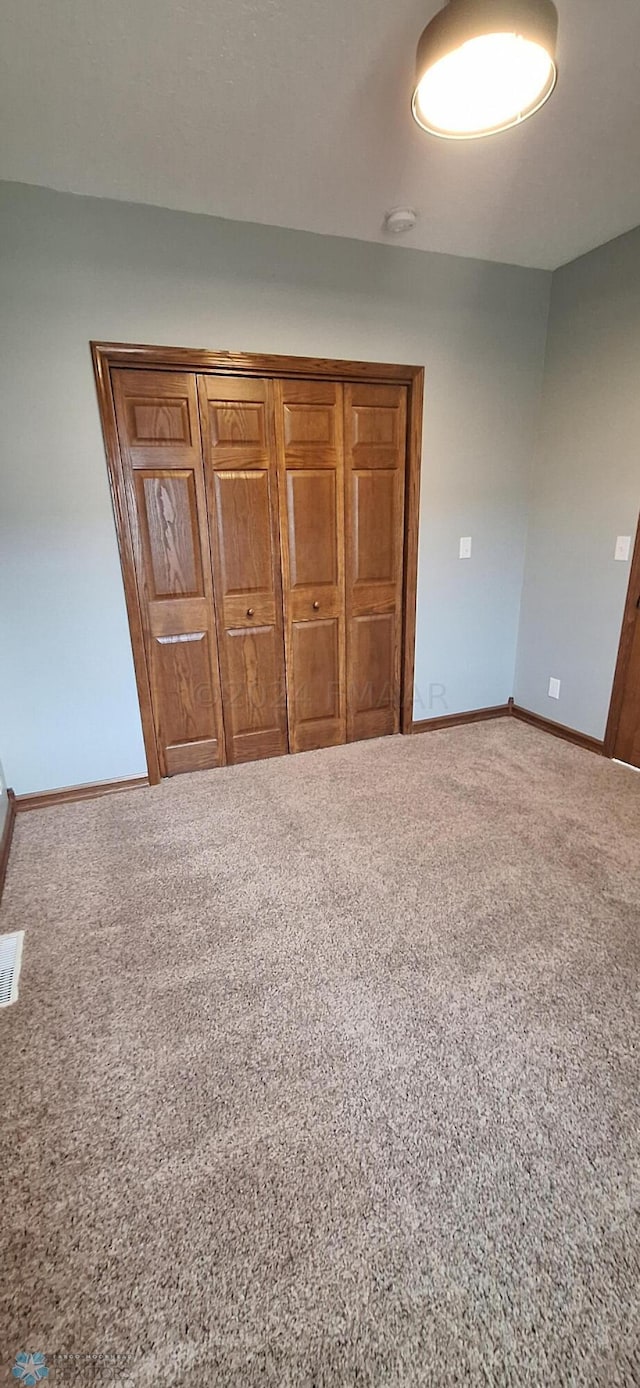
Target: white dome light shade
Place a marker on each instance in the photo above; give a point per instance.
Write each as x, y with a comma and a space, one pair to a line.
487, 85
485, 65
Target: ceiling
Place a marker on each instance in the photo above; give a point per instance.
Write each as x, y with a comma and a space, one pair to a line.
296, 113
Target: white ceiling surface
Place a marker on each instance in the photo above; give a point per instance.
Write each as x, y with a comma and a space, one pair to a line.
296, 113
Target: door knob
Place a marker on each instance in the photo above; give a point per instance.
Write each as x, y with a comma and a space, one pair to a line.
249, 612
316, 606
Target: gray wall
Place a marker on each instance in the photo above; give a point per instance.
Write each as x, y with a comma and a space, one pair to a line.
73, 269
585, 488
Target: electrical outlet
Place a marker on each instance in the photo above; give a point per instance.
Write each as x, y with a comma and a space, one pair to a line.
623, 547
554, 689
465, 547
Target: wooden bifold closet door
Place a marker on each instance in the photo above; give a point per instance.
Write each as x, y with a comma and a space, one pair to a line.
375, 446
237, 426
267, 526
159, 432
311, 476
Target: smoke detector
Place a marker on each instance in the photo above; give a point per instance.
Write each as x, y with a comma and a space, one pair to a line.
399, 220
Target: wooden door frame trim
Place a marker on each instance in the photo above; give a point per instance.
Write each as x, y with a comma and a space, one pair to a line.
7, 837
124, 355
109, 355
106, 404
624, 650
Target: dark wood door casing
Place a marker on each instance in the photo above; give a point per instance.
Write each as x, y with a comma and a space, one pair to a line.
246, 402
622, 738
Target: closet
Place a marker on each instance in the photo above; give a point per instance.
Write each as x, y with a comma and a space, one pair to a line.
266, 521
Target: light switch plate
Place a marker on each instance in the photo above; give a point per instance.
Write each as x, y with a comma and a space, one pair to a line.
465, 547
554, 689
623, 547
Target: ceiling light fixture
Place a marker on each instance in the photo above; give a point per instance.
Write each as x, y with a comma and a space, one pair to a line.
485, 65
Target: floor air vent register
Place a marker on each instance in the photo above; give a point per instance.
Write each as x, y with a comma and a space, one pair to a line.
10, 961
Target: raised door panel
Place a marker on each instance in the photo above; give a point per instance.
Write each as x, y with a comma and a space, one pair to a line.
237, 417
375, 448
376, 538
154, 422
254, 670
311, 424
237, 414
315, 653
311, 487
186, 715
312, 528
159, 434
243, 502
377, 425
168, 513
373, 677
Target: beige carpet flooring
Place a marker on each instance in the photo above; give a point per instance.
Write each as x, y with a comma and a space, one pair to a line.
325, 1072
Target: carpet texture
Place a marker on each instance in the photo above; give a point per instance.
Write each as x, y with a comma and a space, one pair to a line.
324, 1073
